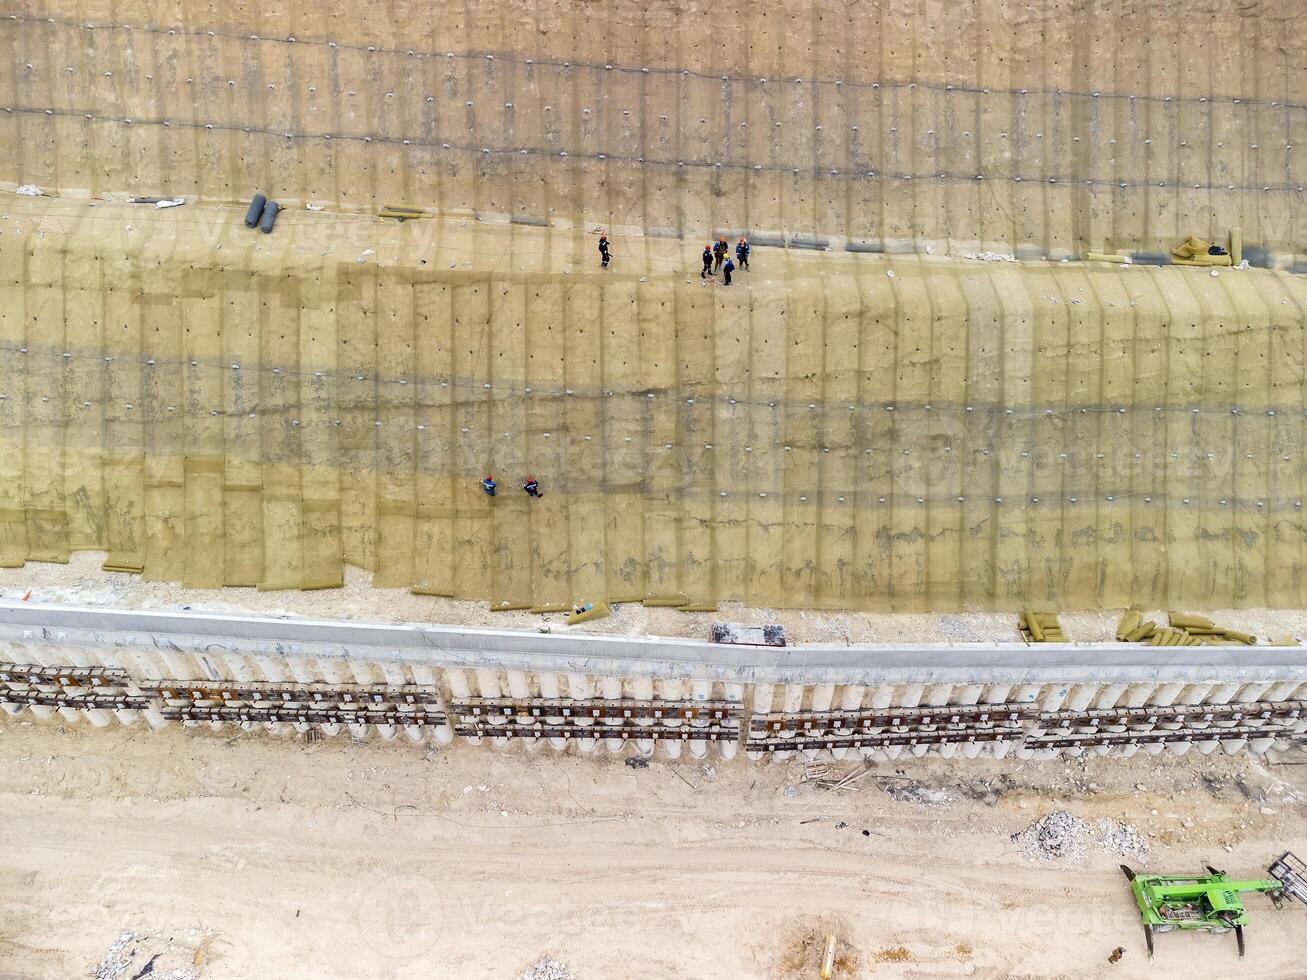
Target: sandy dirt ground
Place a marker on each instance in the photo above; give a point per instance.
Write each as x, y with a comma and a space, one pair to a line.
249, 856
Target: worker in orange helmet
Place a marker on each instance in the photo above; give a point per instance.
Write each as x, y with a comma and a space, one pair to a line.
719, 251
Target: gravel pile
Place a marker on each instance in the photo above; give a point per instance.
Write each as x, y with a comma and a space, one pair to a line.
115, 958
1060, 836
547, 969
1123, 839
144, 954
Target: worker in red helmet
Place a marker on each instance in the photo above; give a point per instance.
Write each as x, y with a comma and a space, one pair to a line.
532, 487
488, 485
707, 262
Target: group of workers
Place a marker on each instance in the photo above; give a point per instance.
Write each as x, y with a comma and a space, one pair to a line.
717, 256
531, 487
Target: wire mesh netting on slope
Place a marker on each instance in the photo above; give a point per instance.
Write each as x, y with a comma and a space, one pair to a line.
1044, 126
218, 407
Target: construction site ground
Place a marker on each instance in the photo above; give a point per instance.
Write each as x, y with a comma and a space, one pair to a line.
83, 582
242, 855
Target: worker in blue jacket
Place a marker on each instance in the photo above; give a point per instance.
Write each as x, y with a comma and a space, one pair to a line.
742, 253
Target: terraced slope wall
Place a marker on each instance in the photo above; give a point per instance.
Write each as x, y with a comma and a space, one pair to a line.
1053, 126
225, 408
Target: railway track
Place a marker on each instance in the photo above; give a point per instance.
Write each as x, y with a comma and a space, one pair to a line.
571, 720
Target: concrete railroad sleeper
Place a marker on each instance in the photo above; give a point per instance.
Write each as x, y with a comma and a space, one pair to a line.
582, 692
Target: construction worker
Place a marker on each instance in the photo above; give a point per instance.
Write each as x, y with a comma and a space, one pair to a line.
728, 268
532, 487
488, 485
707, 262
742, 254
603, 252
719, 251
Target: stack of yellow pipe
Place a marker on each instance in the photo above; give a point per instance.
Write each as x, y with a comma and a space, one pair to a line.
1206, 631
1040, 627
1185, 630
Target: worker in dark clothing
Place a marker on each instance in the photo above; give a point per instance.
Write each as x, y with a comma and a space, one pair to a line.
742, 254
728, 268
532, 487
719, 251
603, 251
707, 262
488, 485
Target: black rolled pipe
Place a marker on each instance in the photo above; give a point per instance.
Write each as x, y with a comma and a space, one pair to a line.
269, 217
256, 209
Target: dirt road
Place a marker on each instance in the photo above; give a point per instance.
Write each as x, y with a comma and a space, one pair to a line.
249, 856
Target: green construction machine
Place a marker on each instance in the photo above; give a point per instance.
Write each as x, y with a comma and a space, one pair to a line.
1210, 902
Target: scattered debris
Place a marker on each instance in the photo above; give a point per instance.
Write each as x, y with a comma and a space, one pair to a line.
815, 770
843, 781
170, 202
892, 954
588, 611
1196, 251
770, 635
1061, 836
547, 969
910, 791
818, 947
30, 190
637, 762
991, 257
1116, 955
